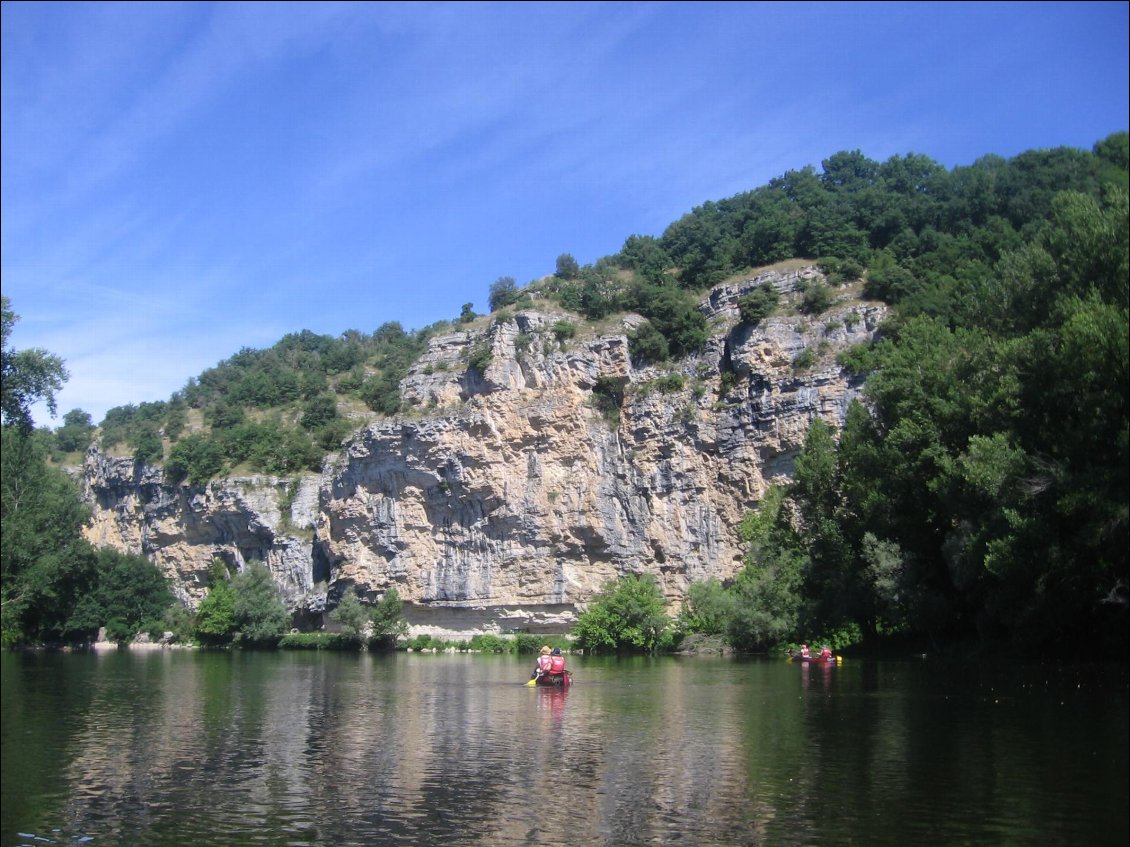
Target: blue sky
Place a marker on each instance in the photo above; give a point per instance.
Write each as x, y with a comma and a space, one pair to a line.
183, 180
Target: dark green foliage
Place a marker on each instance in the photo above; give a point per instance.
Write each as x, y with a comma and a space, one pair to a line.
351, 615
759, 304
626, 616
986, 492
268, 446
888, 280
388, 623
857, 360
194, 459
328, 437
318, 641
479, 356
55, 587
707, 609
319, 411
804, 360
179, 620
564, 330
648, 344
76, 432
26, 376
766, 596
136, 425
567, 267
130, 593
225, 415
45, 564
608, 397
467, 313
148, 448
260, 616
215, 618
503, 293
382, 393
644, 255
674, 322
669, 383
301, 378
815, 297
490, 643
520, 643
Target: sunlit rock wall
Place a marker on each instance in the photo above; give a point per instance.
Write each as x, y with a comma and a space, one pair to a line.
504, 499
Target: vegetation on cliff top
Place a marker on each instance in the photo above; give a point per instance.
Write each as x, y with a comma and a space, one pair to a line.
928, 238
982, 490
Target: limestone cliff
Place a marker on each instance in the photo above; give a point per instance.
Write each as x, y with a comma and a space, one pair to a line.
505, 498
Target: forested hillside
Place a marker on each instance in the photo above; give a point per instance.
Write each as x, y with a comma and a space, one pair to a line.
980, 491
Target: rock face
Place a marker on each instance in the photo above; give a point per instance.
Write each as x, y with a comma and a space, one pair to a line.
506, 498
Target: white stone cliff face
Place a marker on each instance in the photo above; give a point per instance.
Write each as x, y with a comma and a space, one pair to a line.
505, 499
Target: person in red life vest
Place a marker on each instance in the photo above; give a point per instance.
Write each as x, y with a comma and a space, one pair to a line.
825, 652
556, 661
542, 666
804, 653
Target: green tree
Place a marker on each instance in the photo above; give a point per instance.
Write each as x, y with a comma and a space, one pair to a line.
261, 617
707, 609
816, 298
627, 615
319, 411
46, 565
503, 293
76, 432
26, 376
195, 459
766, 595
215, 618
381, 393
148, 447
388, 622
567, 267
674, 314
648, 345
353, 616
130, 594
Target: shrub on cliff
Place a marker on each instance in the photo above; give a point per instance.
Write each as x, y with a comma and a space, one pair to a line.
758, 304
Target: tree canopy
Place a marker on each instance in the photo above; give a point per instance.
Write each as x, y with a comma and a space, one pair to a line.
26, 376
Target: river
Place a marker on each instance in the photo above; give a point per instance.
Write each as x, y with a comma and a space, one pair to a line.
179, 747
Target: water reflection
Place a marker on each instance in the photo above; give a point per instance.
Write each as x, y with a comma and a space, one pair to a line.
174, 748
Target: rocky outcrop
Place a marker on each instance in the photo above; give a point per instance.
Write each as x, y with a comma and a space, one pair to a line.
506, 497
240, 521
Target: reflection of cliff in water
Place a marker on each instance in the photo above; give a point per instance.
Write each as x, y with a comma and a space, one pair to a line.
189, 747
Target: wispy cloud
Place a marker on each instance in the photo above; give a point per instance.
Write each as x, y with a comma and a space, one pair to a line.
181, 180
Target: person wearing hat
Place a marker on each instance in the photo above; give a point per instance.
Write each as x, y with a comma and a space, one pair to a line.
556, 661
543, 663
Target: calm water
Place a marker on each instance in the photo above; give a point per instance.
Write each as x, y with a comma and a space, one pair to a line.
191, 748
